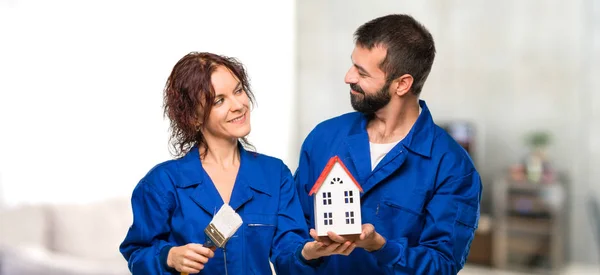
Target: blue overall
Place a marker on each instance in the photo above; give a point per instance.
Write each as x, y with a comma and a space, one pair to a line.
423, 197
176, 200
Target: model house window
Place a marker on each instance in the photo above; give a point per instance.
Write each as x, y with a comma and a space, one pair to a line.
337, 180
326, 198
348, 197
328, 218
350, 217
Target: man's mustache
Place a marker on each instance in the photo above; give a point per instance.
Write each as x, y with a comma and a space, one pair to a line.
357, 88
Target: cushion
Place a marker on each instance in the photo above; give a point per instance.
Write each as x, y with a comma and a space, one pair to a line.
23, 225
93, 230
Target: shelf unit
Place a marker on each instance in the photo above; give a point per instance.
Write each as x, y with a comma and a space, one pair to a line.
529, 226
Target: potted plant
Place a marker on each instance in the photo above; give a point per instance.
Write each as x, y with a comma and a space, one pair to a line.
538, 142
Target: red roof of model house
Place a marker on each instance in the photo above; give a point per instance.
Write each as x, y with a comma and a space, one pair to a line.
326, 171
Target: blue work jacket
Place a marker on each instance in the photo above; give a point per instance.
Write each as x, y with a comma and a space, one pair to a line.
423, 197
176, 200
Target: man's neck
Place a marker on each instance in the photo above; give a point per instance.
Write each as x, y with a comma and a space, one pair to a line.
393, 122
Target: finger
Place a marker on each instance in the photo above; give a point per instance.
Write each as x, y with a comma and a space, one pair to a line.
192, 264
367, 231
330, 248
193, 256
315, 247
194, 246
322, 239
326, 240
365, 234
313, 234
349, 249
187, 270
210, 252
340, 249
311, 249
200, 249
336, 238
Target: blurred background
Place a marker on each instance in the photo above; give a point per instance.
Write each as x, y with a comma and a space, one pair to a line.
515, 82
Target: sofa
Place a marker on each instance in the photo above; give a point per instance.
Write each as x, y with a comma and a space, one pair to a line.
64, 239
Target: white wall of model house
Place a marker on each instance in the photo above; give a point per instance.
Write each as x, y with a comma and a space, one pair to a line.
337, 202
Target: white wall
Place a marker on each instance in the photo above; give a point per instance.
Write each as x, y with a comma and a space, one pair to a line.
507, 66
591, 119
81, 87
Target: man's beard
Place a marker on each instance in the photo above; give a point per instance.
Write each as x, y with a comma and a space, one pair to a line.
369, 104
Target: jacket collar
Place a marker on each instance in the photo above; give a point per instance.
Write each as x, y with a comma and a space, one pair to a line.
420, 137
192, 173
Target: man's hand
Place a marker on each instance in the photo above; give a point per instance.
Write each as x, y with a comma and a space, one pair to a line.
322, 247
369, 239
322, 239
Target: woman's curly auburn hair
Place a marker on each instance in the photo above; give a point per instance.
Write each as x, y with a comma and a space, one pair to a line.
189, 89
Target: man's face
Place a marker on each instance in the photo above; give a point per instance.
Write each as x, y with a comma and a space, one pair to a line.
369, 90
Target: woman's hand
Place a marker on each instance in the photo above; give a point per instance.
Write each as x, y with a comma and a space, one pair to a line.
189, 258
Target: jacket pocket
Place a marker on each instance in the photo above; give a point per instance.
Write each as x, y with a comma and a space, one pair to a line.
467, 218
260, 227
412, 203
259, 232
402, 216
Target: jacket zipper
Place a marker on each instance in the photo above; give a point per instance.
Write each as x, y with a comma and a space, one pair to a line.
225, 259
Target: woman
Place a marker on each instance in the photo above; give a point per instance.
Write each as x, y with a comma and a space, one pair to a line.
207, 99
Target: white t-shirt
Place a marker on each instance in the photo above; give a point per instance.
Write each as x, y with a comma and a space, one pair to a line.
378, 152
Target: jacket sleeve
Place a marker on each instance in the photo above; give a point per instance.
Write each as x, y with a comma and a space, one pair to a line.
303, 180
451, 218
145, 246
291, 233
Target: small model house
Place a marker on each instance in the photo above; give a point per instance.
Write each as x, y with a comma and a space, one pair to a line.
337, 200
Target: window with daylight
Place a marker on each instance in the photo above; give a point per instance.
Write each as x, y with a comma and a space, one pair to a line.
328, 218
350, 217
337, 180
326, 198
348, 197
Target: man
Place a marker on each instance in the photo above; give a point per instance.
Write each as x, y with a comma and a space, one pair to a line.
420, 204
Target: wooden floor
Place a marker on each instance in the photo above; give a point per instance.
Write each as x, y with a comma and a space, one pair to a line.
570, 270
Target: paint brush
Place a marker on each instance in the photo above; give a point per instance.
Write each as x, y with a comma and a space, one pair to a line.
220, 229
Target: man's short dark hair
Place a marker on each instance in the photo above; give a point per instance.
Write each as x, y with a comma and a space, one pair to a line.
410, 46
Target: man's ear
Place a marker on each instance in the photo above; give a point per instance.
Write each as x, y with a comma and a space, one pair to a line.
402, 84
